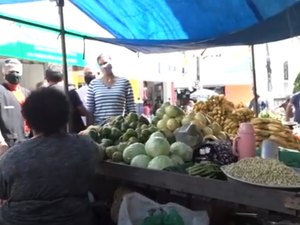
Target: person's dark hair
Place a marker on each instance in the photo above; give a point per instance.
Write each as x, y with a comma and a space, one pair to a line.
39, 84
53, 75
88, 77
46, 110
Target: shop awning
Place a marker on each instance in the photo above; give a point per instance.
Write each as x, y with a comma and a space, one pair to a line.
171, 25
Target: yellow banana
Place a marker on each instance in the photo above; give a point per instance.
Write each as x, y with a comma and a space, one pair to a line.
276, 128
263, 133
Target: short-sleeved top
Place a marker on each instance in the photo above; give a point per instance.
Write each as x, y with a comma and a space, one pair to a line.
295, 100
104, 102
46, 180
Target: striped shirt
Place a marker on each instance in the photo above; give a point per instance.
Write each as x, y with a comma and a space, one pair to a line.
104, 102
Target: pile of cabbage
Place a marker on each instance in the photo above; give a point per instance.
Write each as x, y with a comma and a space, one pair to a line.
157, 153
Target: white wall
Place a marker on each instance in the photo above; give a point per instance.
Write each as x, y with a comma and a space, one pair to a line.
281, 51
32, 74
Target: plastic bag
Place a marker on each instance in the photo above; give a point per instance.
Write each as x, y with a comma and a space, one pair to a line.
135, 208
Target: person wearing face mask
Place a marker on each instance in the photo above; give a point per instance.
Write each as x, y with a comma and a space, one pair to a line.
110, 95
12, 97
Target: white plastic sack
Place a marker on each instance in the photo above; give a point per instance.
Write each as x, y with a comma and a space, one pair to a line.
135, 207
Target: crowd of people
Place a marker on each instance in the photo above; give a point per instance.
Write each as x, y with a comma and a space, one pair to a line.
47, 173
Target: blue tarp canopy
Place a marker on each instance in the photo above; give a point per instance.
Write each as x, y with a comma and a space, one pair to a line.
170, 25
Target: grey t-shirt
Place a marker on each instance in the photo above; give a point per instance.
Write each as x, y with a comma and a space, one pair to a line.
46, 181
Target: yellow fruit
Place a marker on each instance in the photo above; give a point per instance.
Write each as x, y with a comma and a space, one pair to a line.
263, 133
186, 120
172, 124
256, 121
280, 141
201, 118
273, 127
198, 125
207, 131
210, 137
216, 128
222, 136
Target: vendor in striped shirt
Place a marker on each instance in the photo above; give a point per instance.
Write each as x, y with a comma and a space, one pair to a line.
110, 95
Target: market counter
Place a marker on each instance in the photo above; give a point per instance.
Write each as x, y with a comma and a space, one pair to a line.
283, 201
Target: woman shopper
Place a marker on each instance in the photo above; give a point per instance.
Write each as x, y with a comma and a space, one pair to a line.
110, 95
46, 179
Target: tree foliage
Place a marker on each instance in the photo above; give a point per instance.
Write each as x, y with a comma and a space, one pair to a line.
297, 84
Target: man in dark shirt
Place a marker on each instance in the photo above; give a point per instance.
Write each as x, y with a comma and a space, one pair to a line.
12, 96
54, 78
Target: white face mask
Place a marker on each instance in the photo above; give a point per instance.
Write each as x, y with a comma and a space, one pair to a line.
106, 68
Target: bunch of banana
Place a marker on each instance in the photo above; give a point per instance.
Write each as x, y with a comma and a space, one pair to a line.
243, 115
268, 128
209, 130
238, 116
225, 113
216, 107
231, 126
217, 114
207, 170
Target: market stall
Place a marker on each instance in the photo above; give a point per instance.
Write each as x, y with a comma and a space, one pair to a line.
275, 200
192, 156
126, 138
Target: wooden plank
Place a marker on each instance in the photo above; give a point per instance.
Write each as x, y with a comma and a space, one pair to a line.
236, 192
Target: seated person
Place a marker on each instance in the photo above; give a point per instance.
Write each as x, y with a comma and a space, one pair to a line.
46, 179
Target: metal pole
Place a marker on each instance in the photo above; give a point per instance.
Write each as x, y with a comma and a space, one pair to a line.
198, 68
254, 80
269, 70
60, 4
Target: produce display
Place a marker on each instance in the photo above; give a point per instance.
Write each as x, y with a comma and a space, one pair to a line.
157, 153
119, 133
267, 128
223, 112
206, 128
168, 118
216, 107
269, 172
170, 142
132, 140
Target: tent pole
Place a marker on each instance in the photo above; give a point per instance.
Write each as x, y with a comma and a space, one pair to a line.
60, 4
254, 80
